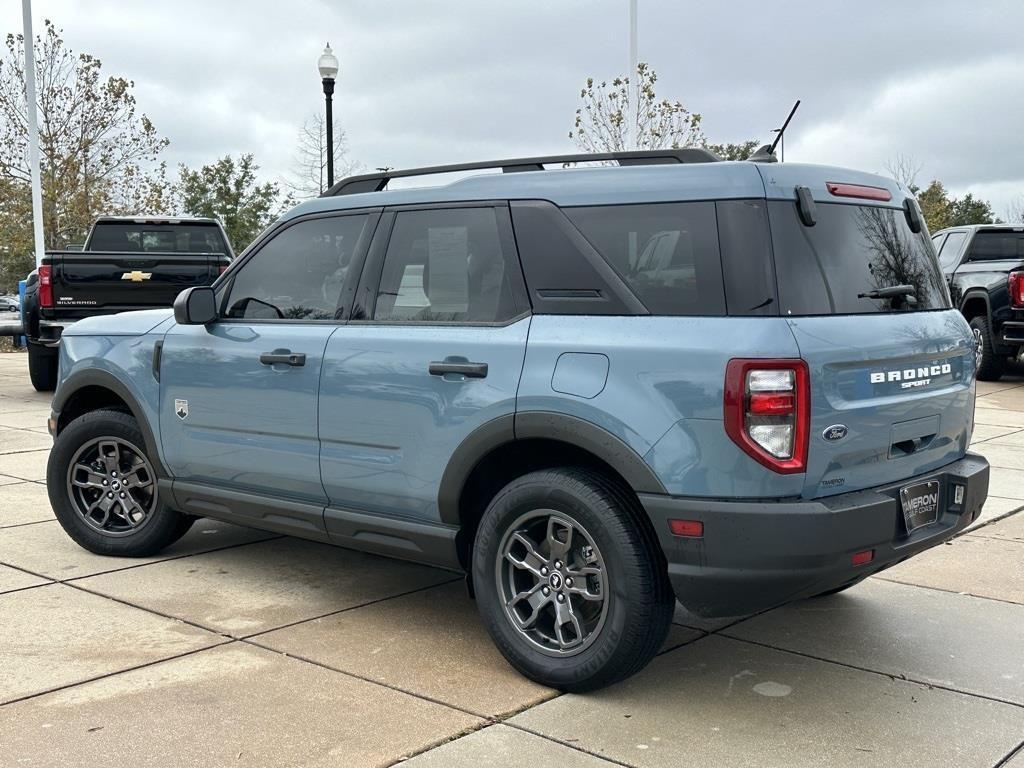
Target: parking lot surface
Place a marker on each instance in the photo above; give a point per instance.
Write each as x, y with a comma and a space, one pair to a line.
237, 647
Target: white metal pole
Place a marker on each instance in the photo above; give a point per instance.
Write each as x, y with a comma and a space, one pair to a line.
33, 130
630, 137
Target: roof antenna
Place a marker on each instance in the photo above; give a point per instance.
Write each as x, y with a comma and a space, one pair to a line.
766, 154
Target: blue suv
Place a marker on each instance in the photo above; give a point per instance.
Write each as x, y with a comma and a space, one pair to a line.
596, 390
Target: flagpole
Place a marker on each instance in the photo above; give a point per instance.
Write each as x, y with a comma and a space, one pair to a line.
630, 128
33, 130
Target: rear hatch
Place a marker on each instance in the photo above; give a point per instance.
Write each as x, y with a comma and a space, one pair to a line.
115, 282
891, 377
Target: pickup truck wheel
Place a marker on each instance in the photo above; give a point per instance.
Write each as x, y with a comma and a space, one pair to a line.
990, 365
103, 488
42, 367
569, 582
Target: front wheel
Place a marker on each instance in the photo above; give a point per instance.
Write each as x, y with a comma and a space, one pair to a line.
103, 488
570, 583
42, 367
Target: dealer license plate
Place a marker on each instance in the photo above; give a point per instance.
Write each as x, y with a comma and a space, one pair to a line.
920, 504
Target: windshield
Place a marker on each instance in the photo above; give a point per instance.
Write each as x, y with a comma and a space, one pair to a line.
164, 238
854, 260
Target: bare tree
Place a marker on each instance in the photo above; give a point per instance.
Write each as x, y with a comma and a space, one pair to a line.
904, 169
608, 111
309, 164
1015, 210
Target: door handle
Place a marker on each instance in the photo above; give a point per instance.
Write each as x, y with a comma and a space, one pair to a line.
283, 357
469, 370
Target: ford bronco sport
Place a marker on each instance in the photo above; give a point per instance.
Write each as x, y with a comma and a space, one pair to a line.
595, 390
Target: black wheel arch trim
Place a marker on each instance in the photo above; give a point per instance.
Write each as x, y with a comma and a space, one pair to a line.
977, 293
526, 425
94, 377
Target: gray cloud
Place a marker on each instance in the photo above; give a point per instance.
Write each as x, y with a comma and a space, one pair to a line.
429, 82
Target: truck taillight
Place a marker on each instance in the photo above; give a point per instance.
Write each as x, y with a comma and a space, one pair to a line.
768, 411
1017, 290
221, 270
45, 286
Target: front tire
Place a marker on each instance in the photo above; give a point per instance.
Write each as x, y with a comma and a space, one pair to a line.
990, 366
570, 582
103, 488
42, 367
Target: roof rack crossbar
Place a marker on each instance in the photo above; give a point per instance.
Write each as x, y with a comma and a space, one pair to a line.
377, 182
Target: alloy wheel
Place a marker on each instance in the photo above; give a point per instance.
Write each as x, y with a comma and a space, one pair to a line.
112, 486
553, 582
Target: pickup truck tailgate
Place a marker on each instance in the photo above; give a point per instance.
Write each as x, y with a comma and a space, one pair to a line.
110, 281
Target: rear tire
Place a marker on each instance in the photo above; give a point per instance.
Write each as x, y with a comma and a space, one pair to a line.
570, 582
103, 488
42, 367
992, 366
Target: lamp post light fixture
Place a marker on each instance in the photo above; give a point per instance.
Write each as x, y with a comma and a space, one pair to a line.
328, 66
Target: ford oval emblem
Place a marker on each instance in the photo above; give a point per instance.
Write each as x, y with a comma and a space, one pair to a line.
834, 433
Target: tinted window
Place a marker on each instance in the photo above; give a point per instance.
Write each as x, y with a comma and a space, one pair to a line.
166, 238
850, 251
747, 266
298, 275
668, 253
994, 244
951, 249
445, 266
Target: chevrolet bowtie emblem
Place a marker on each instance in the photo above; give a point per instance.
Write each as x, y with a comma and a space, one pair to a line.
136, 276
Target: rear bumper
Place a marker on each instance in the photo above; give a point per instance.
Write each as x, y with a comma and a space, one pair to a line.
1012, 333
50, 331
758, 554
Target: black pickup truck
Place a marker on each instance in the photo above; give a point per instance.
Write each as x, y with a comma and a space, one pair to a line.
984, 265
127, 263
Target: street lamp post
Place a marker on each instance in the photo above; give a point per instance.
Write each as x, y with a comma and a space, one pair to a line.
328, 66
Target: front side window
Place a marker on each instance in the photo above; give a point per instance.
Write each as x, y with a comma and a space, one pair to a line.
667, 252
298, 275
445, 266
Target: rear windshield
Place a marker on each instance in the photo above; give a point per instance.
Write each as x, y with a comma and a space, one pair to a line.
992, 244
164, 238
852, 250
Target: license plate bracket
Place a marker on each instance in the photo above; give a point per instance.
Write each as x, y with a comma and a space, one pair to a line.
920, 504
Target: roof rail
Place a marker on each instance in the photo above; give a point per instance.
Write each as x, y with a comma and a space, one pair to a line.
376, 182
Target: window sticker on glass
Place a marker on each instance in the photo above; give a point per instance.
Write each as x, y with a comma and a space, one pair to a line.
447, 282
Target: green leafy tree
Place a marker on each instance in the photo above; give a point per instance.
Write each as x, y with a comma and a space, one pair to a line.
98, 154
608, 110
970, 210
740, 151
936, 206
229, 190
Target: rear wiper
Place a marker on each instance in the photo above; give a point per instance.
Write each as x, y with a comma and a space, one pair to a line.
889, 292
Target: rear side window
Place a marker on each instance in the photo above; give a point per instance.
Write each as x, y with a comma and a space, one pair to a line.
159, 238
852, 250
994, 244
666, 252
446, 266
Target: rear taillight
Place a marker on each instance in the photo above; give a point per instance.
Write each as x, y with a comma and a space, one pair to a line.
45, 286
768, 411
1017, 290
221, 270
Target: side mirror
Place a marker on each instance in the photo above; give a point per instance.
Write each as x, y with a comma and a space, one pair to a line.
195, 306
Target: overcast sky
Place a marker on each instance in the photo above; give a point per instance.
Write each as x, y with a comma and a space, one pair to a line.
426, 82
